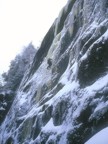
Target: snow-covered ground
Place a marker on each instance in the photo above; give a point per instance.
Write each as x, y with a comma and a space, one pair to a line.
99, 138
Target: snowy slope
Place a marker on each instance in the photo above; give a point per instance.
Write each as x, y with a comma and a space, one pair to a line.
66, 102
100, 138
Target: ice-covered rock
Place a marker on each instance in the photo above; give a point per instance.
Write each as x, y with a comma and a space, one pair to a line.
66, 102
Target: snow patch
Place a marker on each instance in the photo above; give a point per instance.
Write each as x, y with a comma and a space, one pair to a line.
100, 138
99, 84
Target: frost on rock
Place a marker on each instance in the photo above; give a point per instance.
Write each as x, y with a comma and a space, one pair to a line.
66, 103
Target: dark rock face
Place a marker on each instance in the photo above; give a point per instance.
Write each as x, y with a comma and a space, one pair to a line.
59, 112
66, 102
95, 65
10, 141
42, 52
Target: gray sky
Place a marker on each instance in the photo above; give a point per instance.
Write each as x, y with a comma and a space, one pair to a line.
23, 21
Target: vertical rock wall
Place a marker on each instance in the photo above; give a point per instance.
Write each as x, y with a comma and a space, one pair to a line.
66, 102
